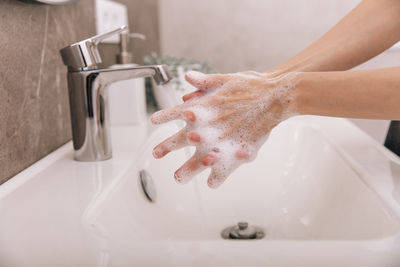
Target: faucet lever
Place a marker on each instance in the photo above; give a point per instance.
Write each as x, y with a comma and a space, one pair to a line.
88, 90
84, 55
98, 38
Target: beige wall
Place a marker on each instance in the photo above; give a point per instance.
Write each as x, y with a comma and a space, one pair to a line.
237, 35
245, 34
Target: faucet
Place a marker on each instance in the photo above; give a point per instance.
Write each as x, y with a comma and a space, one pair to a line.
88, 88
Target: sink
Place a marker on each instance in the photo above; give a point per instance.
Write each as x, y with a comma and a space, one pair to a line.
324, 193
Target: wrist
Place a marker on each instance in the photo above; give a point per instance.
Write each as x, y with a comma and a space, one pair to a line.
303, 91
281, 95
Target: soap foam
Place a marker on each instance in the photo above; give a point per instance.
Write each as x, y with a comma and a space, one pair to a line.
248, 137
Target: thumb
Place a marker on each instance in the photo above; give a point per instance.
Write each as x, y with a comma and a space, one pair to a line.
205, 81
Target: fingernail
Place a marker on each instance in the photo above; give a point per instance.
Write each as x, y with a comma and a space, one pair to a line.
213, 183
192, 95
152, 120
240, 154
186, 97
158, 152
195, 137
155, 118
209, 160
179, 177
195, 74
176, 177
189, 115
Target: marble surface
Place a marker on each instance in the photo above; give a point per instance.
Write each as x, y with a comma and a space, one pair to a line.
34, 108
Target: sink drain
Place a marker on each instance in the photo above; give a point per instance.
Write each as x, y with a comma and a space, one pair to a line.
242, 231
149, 189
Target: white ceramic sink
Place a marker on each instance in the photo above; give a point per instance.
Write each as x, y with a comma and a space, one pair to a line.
324, 192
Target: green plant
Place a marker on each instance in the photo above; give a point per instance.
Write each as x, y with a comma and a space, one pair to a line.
173, 64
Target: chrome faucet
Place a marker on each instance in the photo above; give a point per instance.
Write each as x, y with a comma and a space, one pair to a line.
88, 88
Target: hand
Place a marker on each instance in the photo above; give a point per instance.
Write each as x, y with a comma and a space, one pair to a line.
228, 119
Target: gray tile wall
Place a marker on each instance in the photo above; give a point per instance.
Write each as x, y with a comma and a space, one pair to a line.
34, 108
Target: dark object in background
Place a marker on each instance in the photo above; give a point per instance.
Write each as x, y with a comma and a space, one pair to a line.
49, 2
392, 141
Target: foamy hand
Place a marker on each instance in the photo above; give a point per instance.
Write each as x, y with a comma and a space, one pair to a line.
228, 119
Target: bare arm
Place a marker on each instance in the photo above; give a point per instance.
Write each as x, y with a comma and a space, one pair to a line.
371, 94
368, 30
230, 115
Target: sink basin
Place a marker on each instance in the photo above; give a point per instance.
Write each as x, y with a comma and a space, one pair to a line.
324, 193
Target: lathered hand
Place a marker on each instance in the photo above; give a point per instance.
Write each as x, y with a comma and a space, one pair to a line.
228, 119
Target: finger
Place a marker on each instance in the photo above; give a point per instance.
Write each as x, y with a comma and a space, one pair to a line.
188, 170
216, 179
174, 142
166, 115
194, 137
194, 94
205, 81
189, 115
209, 160
242, 154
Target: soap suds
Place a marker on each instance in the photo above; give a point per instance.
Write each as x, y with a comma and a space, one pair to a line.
231, 120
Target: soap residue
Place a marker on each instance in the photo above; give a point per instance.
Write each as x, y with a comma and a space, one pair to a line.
227, 121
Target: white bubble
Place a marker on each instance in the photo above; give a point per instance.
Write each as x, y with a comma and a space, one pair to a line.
212, 131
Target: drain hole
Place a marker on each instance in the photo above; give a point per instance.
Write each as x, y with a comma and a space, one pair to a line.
242, 231
148, 186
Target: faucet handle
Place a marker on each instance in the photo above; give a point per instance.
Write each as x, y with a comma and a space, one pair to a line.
85, 54
98, 38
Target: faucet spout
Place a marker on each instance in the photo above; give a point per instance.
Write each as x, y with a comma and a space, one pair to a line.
159, 73
88, 94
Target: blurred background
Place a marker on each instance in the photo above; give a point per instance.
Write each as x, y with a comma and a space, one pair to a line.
237, 35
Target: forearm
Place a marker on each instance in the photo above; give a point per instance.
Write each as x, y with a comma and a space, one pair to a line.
372, 94
369, 29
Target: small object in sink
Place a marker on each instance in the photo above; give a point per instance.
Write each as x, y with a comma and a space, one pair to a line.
242, 231
148, 185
